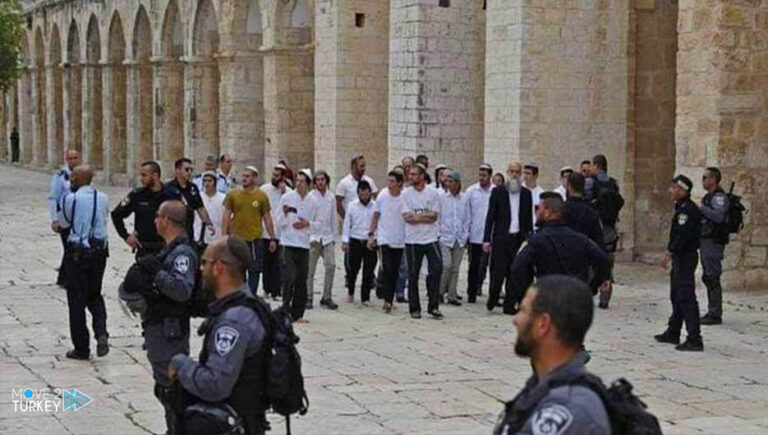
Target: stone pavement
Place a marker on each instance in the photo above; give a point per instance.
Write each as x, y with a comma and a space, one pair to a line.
367, 372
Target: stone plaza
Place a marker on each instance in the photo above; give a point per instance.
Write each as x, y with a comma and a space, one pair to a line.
368, 372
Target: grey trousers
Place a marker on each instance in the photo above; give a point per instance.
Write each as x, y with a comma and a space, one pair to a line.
452, 257
317, 250
712, 263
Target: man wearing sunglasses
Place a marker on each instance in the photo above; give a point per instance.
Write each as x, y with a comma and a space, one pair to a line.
182, 189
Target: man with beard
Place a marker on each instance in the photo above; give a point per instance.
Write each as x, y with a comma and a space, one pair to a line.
478, 196
551, 325
346, 190
354, 243
143, 203
225, 180
508, 224
273, 269
230, 368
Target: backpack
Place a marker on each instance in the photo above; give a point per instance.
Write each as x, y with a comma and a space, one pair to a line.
628, 414
735, 216
285, 383
608, 201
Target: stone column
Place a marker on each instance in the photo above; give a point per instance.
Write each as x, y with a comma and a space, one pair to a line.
168, 111
722, 118
201, 106
132, 108
351, 86
92, 116
435, 86
114, 118
108, 120
72, 106
5, 112
25, 117
38, 129
241, 105
54, 146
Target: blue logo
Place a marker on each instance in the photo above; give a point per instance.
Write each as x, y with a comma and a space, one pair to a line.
74, 399
28, 393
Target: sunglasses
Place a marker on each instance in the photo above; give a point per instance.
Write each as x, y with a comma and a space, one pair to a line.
187, 169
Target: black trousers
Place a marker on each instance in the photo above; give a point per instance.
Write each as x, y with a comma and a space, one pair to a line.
296, 262
414, 255
272, 271
390, 266
478, 266
503, 254
60, 278
83, 284
685, 307
357, 256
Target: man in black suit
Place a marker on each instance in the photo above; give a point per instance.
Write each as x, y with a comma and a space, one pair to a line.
508, 223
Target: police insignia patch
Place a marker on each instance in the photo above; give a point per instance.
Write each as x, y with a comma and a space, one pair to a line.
181, 264
682, 219
255, 204
718, 201
551, 420
225, 339
126, 201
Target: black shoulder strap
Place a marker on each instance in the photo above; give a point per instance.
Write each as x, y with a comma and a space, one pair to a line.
93, 213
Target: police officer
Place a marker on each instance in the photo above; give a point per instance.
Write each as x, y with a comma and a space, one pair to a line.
143, 202
556, 249
182, 189
231, 369
714, 237
84, 214
551, 325
684, 241
60, 186
166, 322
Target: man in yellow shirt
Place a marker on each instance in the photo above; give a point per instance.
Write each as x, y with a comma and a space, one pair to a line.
244, 211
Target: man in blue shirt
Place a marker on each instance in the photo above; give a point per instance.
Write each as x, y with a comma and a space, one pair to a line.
84, 213
60, 186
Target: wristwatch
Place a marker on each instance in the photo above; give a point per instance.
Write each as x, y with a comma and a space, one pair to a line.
370, 234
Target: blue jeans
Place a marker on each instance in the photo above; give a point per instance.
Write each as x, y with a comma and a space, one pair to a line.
402, 279
254, 272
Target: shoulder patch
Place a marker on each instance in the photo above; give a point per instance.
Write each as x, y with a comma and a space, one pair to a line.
682, 218
553, 419
181, 263
225, 339
126, 200
718, 201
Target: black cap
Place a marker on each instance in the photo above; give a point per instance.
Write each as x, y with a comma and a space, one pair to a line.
684, 182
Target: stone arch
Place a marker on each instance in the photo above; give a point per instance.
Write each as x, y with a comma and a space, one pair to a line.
114, 76
254, 26
73, 103
25, 104
202, 96
140, 133
92, 97
40, 152
168, 86
55, 99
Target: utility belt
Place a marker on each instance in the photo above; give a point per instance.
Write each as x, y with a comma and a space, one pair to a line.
79, 253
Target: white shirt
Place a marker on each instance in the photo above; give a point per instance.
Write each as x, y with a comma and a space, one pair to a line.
561, 190
347, 189
305, 209
477, 202
454, 219
324, 232
357, 221
274, 195
391, 229
420, 202
214, 205
514, 213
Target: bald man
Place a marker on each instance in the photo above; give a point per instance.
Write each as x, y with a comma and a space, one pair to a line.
84, 213
507, 225
60, 186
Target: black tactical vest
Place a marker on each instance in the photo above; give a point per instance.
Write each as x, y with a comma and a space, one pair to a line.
161, 306
712, 230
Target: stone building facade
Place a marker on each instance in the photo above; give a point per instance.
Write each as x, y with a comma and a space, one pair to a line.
658, 86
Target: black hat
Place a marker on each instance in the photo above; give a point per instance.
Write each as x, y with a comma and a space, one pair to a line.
684, 182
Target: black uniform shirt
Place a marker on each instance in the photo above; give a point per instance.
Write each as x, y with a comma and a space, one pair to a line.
143, 203
584, 219
685, 233
190, 196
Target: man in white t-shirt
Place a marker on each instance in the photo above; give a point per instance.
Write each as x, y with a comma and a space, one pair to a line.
346, 190
421, 212
478, 195
213, 200
454, 232
530, 181
565, 172
354, 239
272, 278
388, 232
322, 240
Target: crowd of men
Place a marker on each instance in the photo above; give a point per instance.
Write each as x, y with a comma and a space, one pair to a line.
228, 235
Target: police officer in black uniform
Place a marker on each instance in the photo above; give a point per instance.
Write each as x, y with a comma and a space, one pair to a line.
714, 237
181, 188
579, 214
143, 202
556, 249
231, 374
682, 251
166, 322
